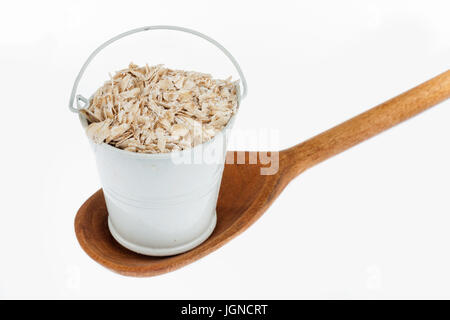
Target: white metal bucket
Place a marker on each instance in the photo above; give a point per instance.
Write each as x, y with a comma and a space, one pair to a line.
160, 204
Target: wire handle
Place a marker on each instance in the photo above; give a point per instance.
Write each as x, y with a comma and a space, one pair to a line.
82, 102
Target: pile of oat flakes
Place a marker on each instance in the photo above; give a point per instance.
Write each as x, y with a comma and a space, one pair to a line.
153, 109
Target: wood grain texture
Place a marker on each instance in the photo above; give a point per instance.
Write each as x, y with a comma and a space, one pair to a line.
241, 202
245, 194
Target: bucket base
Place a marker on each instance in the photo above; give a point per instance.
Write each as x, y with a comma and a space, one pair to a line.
163, 251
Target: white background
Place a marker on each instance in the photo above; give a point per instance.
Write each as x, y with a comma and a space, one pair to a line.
370, 223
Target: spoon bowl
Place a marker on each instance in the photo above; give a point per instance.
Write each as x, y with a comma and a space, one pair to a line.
245, 194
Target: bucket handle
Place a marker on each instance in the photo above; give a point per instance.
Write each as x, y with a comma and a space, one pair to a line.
80, 99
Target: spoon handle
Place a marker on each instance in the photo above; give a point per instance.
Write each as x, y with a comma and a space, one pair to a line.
366, 125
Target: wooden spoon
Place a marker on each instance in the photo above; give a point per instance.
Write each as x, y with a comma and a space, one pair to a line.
245, 194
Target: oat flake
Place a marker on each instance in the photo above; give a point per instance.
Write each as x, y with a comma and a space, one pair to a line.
153, 109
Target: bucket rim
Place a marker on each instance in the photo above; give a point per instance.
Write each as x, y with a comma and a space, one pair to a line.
165, 155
